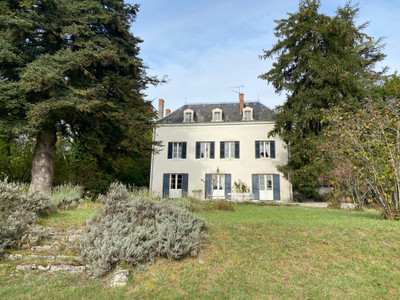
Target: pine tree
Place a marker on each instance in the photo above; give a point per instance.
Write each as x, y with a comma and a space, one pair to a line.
71, 68
321, 62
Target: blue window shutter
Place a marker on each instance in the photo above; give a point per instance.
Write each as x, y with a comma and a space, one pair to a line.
169, 150
166, 185
207, 192
272, 149
184, 145
197, 150
255, 187
185, 184
228, 186
237, 149
222, 150
276, 187
257, 149
212, 149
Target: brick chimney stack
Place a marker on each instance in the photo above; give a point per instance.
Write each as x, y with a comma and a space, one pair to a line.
160, 108
167, 112
241, 99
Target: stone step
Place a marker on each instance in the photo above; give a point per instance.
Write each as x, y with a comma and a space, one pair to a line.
72, 269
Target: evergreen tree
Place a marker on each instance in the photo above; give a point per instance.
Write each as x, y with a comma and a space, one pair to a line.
72, 68
321, 61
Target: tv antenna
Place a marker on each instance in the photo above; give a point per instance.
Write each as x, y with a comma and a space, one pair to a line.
237, 87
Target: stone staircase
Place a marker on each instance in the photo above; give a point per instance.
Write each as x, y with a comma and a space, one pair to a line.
58, 251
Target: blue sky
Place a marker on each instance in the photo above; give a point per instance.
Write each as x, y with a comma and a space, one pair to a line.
206, 47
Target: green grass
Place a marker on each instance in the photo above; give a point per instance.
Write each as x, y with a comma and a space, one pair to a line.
256, 252
68, 218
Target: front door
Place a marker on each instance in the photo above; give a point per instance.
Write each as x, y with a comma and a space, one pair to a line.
265, 186
218, 186
175, 190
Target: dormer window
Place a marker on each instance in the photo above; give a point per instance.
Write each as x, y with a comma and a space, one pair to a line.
217, 115
247, 114
188, 116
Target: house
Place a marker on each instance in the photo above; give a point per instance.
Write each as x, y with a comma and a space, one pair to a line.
210, 148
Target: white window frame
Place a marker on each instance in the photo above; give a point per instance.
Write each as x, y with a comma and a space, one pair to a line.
186, 113
205, 148
229, 149
176, 181
265, 149
247, 111
177, 150
217, 112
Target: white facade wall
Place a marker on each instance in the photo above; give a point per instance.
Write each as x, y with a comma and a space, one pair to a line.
243, 168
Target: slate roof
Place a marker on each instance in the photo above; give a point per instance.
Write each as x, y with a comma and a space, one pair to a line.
230, 113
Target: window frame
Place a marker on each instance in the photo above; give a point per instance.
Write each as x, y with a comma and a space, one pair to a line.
229, 147
177, 149
187, 112
250, 111
216, 111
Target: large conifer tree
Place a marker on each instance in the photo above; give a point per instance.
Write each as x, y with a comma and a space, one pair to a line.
321, 62
72, 68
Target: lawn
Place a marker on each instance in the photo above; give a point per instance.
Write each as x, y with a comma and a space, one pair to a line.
256, 252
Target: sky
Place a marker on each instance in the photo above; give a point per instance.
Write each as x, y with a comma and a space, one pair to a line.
209, 48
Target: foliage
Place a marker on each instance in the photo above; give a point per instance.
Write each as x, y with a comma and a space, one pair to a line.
389, 88
15, 158
135, 230
368, 141
67, 196
19, 210
240, 187
321, 62
72, 67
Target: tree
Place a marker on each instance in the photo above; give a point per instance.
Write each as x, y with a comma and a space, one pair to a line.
321, 62
368, 140
71, 68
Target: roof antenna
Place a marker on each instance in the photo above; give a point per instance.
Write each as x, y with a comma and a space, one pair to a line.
237, 87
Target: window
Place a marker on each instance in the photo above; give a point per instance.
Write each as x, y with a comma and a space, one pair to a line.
264, 149
205, 150
188, 115
218, 182
177, 150
265, 182
247, 114
176, 181
229, 149
217, 115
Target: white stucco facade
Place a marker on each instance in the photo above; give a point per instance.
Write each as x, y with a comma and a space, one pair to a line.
243, 168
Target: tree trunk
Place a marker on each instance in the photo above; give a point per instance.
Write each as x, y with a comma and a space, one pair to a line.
43, 161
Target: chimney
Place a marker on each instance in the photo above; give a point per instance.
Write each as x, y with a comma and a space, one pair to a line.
167, 112
160, 108
241, 99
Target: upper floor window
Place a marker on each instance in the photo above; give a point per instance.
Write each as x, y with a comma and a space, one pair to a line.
176, 150
188, 115
217, 115
205, 149
247, 114
265, 149
230, 149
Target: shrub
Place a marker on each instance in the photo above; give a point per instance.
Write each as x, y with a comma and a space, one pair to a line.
19, 210
67, 196
135, 230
